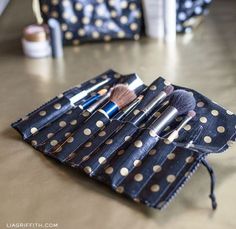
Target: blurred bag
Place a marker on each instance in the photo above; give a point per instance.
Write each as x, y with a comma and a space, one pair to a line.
190, 14
94, 20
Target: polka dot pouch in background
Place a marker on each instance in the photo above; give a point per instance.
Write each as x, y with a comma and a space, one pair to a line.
190, 14
95, 20
129, 156
99, 20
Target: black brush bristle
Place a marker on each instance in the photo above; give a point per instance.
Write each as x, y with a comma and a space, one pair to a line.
183, 101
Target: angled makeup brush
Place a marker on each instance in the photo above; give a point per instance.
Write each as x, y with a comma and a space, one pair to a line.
84, 93
174, 134
180, 103
152, 105
93, 99
120, 97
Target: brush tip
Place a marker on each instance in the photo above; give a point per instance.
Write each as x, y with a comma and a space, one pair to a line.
121, 95
102, 91
168, 89
191, 113
183, 101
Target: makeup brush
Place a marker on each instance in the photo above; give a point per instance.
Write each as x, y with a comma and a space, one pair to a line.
99, 103
152, 105
93, 99
128, 108
173, 135
84, 93
108, 130
121, 96
180, 102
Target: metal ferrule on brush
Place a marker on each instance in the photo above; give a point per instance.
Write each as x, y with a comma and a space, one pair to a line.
110, 109
165, 119
162, 95
149, 108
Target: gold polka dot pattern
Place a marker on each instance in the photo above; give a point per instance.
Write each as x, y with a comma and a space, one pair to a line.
160, 171
124, 171
122, 20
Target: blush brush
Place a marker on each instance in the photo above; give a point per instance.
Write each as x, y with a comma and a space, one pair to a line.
120, 97
180, 103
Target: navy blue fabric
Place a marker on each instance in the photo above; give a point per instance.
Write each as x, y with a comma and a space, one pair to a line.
188, 12
94, 144
55, 127
130, 159
91, 20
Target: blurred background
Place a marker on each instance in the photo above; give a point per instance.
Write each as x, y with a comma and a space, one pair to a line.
195, 48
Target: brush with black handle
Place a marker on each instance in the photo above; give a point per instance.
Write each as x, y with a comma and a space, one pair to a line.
180, 103
120, 97
144, 113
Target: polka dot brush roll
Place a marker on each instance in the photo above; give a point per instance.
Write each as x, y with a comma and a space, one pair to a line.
189, 12
94, 20
134, 160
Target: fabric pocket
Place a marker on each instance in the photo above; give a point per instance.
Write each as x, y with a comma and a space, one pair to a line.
63, 134
92, 145
61, 150
113, 145
37, 120
69, 118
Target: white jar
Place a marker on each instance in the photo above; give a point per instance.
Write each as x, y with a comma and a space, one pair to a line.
35, 41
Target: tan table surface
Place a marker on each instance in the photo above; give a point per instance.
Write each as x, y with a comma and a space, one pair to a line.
35, 189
